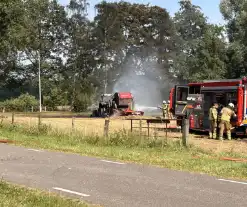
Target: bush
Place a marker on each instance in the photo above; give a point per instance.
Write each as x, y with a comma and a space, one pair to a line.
81, 102
56, 98
23, 103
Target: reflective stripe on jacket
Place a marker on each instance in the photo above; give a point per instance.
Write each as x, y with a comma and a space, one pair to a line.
165, 106
226, 114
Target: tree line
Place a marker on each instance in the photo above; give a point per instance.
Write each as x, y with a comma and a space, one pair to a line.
80, 58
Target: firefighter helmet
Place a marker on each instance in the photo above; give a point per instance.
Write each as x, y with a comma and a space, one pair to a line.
164, 102
231, 105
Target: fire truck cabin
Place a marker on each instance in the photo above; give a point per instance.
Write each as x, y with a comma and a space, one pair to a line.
197, 98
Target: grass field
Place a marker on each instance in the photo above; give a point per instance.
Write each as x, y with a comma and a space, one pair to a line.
17, 196
95, 127
132, 148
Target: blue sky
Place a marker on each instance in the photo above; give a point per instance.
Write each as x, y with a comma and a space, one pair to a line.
209, 7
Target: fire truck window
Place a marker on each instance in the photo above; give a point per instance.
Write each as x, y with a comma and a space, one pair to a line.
222, 101
194, 90
182, 94
207, 101
232, 97
197, 90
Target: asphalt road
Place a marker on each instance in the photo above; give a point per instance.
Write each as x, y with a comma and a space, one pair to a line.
116, 184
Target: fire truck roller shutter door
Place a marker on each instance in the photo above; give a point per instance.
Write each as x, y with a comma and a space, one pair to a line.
207, 104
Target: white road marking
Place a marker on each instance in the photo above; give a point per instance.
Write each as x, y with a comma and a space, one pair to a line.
70, 191
232, 181
119, 163
35, 150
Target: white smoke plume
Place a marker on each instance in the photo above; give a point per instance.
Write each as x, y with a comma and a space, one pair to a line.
145, 83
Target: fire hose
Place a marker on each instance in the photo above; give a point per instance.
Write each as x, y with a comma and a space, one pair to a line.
226, 159
5, 141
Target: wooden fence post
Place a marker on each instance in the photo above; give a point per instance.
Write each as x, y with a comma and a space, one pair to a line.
106, 127
148, 128
39, 119
13, 118
166, 129
140, 127
2, 119
73, 123
131, 125
185, 131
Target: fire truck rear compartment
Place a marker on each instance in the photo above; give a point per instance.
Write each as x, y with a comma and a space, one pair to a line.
223, 98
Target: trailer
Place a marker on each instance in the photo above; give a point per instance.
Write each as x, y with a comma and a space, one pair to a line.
195, 100
123, 105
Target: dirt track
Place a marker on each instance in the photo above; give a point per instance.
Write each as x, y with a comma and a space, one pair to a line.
234, 146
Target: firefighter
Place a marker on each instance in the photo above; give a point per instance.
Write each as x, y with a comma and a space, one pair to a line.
165, 108
226, 114
220, 107
169, 110
213, 116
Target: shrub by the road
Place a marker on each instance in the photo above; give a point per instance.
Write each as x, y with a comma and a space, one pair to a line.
23, 103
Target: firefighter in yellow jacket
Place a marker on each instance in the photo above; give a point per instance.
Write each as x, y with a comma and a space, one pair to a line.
226, 114
213, 115
165, 108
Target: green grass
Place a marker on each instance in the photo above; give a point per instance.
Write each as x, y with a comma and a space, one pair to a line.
130, 148
17, 196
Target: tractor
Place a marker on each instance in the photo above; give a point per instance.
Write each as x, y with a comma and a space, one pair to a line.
104, 106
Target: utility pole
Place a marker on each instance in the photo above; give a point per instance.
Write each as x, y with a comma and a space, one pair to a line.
105, 34
105, 91
39, 61
39, 68
74, 86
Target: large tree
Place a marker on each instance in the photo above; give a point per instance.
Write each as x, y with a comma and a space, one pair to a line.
133, 45
200, 46
43, 34
80, 54
11, 16
234, 13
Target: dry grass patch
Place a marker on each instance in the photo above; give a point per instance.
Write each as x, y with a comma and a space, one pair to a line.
95, 126
88, 126
233, 146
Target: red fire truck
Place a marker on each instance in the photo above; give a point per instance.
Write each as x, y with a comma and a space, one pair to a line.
197, 98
